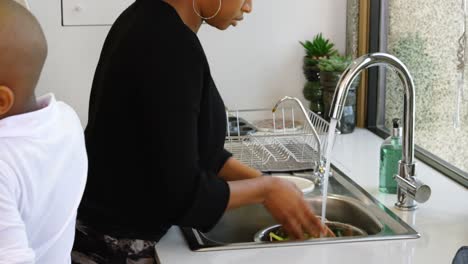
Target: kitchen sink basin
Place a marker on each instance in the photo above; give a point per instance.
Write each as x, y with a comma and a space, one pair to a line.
346, 203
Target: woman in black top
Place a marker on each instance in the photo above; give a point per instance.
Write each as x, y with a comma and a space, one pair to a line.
156, 133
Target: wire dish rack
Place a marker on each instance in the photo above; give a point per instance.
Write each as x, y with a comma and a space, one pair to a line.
289, 139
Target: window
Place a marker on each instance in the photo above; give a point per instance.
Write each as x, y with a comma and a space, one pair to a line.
430, 37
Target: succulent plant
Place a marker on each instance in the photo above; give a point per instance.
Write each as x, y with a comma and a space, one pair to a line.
319, 47
335, 63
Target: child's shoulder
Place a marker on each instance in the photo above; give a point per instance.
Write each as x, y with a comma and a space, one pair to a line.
64, 113
67, 111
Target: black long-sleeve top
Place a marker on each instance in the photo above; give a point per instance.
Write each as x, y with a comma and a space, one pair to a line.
156, 130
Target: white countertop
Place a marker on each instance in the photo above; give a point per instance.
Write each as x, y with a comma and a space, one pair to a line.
442, 221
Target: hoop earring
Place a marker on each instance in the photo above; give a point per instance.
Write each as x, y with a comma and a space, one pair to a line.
206, 18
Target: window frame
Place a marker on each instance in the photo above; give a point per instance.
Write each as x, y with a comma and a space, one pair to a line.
375, 121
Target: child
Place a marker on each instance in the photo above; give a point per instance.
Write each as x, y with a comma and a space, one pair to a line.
43, 163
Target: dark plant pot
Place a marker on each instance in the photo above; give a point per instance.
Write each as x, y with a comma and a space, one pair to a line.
347, 121
313, 92
328, 81
311, 70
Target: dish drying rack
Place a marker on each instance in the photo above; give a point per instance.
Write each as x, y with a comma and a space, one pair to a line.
287, 138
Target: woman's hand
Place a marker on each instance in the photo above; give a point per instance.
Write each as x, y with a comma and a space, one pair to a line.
282, 199
286, 204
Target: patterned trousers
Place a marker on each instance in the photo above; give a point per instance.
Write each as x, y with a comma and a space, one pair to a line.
92, 247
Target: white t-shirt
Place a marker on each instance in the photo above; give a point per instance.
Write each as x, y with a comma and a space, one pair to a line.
43, 168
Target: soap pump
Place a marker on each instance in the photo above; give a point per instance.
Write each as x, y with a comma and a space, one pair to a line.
390, 155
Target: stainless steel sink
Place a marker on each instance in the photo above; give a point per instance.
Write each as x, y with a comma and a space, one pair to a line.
347, 203
348, 210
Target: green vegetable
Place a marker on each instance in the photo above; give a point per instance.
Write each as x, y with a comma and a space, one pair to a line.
279, 234
275, 237
337, 233
280, 237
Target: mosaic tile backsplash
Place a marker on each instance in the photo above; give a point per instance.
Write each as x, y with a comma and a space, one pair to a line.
425, 35
352, 28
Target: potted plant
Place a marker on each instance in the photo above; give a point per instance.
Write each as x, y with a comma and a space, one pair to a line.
331, 70
313, 93
316, 49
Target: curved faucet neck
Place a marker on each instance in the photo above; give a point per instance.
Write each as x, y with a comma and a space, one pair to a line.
384, 59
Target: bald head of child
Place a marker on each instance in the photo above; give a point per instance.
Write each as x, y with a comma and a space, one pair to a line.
23, 50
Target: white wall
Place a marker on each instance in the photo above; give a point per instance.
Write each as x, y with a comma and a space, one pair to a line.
253, 65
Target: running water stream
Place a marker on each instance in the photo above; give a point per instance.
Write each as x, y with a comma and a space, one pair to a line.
331, 139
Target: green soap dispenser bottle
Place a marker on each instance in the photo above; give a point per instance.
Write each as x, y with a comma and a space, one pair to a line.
390, 155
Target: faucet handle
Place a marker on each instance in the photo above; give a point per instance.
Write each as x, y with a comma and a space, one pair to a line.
414, 188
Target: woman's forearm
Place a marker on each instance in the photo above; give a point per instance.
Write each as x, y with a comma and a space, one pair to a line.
250, 191
234, 170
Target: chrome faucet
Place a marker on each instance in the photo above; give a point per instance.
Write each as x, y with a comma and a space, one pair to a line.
410, 190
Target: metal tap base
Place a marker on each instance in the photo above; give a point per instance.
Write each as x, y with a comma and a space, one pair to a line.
403, 207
